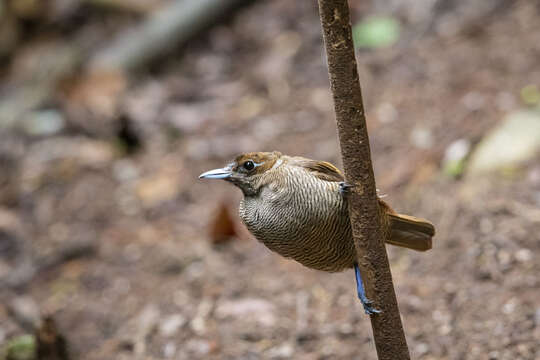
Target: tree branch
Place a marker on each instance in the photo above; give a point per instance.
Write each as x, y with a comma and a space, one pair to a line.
367, 221
173, 24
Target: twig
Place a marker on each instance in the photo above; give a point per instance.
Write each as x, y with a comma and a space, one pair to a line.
134, 6
366, 220
165, 29
51, 344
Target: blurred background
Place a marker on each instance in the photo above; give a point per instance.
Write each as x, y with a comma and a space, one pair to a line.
112, 248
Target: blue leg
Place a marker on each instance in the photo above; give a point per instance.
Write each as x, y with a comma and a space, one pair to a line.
344, 188
362, 293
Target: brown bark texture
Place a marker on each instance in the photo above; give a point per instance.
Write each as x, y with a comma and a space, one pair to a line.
366, 220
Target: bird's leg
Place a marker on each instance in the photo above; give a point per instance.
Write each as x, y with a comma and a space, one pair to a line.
344, 188
370, 310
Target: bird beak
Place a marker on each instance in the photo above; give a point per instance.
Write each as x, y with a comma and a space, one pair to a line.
223, 173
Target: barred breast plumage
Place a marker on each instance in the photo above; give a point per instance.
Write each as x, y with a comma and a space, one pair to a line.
302, 217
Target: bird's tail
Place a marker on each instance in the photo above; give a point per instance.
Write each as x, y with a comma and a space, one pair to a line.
410, 232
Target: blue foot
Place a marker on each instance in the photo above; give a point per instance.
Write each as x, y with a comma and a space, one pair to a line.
344, 188
370, 310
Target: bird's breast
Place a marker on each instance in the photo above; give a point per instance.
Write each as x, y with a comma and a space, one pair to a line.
306, 220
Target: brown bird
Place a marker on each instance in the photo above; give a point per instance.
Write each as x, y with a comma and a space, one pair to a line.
297, 208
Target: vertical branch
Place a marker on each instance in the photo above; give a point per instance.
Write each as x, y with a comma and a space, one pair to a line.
367, 221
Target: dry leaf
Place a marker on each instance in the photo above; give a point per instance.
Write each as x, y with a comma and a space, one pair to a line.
98, 92
223, 226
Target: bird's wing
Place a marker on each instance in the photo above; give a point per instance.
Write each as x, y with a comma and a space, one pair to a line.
321, 169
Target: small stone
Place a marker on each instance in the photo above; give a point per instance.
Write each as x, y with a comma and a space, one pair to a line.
509, 307
43, 123
387, 113
198, 325
258, 310
9, 221
125, 170
445, 329
346, 329
523, 255
199, 347
422, 138
26, 312
454, 157
169, 350
147, 320
171, 325
136, 330
421, 348
284, 351
440, 316
474, 101
457, 150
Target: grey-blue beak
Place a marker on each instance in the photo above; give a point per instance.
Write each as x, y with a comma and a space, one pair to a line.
223, 173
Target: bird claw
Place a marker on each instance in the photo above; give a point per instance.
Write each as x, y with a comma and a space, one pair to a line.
367, 304
344, 188
368, 309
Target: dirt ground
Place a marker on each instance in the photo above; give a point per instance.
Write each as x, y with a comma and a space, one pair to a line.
115, 244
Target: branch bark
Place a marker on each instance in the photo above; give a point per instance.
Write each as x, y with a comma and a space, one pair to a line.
367, 220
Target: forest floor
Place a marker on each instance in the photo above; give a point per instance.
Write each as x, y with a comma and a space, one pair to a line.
115, 244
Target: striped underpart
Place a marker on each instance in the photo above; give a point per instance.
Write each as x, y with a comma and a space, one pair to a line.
300, 216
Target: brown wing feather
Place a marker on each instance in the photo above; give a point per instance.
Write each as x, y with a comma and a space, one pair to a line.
321, 169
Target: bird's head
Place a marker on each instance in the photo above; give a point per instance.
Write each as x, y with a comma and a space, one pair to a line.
246, 170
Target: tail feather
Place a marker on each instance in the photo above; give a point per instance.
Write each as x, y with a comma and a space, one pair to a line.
410, 232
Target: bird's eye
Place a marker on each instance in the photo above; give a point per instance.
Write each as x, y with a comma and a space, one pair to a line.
249, 165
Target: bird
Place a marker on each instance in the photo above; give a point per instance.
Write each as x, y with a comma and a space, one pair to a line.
297, 207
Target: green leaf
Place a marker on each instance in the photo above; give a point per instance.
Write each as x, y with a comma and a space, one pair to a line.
21, 348
376, 32
530, 95
454, 168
